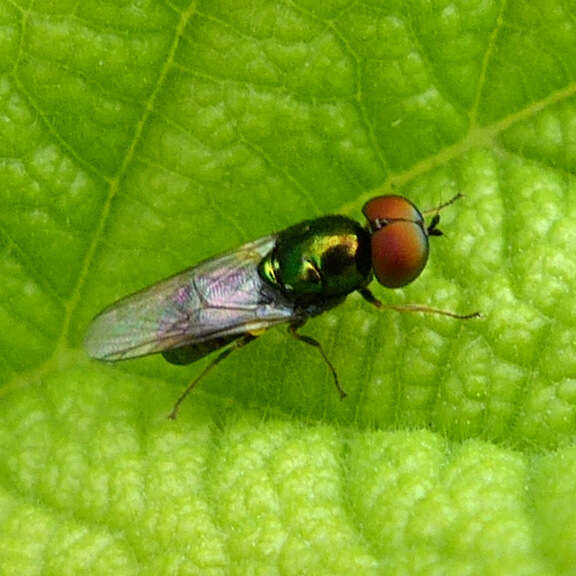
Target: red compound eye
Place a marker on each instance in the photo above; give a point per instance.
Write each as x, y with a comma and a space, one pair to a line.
399, 240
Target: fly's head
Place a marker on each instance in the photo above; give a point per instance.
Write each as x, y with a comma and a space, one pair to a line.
399, 239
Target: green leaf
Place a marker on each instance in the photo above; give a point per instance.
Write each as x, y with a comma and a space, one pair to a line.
140, 137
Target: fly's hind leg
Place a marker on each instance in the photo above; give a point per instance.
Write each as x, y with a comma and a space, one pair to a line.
222, 356
314, 343
371, 299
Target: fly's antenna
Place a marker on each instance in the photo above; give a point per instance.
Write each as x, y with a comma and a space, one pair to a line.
437, 209
433, 226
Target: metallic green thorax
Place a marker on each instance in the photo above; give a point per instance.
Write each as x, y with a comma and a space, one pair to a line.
329, 256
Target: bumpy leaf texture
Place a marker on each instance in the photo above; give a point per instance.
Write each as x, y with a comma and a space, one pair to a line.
140, 137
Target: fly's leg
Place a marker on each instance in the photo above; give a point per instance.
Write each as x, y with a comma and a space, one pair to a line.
371, 299
314, 343
222, 356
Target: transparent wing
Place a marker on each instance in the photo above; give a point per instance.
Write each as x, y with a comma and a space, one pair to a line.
218, 298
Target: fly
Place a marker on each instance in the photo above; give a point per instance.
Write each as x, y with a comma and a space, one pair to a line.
285, 278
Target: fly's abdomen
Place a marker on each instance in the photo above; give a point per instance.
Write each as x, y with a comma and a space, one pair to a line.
220, 298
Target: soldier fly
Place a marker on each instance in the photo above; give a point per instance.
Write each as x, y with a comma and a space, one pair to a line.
285, 278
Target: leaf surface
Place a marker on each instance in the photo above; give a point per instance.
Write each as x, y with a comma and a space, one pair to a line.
138, 138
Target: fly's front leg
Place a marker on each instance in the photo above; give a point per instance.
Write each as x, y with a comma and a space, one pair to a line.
314, 343
222, 356
371, 299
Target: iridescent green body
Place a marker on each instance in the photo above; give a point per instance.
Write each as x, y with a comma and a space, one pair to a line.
311, 268
326, 257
